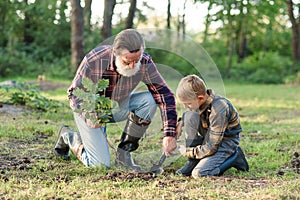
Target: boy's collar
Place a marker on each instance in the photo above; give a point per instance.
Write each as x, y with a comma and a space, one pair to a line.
204, 106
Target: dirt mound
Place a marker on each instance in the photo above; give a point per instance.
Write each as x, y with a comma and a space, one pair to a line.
49, 85
12, 109
115, 176
294, 165
43, 85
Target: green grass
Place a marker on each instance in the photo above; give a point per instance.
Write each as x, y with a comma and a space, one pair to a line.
270, 118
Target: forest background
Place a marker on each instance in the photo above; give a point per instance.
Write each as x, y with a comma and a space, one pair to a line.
249, 40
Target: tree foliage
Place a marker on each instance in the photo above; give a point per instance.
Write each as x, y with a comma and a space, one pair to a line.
36, 35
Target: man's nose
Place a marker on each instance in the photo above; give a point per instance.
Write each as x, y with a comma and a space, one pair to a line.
131, 65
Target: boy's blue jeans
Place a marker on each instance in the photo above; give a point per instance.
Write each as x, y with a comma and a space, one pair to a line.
96, 150
208, 166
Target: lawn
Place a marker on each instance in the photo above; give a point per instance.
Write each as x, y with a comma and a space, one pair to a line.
270, 117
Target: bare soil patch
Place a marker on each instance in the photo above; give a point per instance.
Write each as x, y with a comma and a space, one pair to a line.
20, 155
12, 109
49, 85
294, 165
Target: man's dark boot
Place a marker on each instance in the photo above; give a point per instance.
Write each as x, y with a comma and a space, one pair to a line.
123, 154
187, 169
237, 160
67, 140
133, 131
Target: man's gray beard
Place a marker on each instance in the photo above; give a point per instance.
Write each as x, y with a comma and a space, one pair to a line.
125, 70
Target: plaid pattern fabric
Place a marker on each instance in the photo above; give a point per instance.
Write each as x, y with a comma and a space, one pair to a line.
219, 119
99, 64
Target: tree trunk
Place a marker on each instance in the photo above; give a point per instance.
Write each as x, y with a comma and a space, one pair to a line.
130, 16
3, 15
28, 26
241, 34
181, 22
295, 32
87, 14
169, 15
207, 22
109, 6
77, 33
230, 45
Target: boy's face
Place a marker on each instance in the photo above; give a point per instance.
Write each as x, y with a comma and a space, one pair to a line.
192, 104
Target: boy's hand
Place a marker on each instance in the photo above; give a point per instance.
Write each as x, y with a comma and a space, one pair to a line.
179, 129
182, 149
189, 152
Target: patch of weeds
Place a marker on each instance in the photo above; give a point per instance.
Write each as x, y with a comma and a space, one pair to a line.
22, 93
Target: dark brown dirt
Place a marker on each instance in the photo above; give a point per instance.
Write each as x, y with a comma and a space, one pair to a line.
294, 165
128, 176
20, 155
49, 85
12, 110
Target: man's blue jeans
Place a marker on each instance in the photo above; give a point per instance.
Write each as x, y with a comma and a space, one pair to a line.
96, 150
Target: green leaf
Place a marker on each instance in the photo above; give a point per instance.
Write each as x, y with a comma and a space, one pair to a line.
87, 83
79, 93
92, 102
102, 84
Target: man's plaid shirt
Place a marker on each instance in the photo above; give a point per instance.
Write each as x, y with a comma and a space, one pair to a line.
99, 64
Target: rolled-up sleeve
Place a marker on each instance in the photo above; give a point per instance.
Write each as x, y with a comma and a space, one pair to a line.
218, 120
92, 67
77, 83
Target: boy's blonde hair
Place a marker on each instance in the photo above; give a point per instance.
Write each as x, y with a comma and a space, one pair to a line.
190, 87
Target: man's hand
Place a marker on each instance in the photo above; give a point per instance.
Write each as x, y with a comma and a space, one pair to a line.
168, 145
92, 122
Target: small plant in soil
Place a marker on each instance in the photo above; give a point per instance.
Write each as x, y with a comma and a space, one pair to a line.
94, 105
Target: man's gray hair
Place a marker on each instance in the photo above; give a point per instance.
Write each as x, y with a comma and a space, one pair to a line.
128, 39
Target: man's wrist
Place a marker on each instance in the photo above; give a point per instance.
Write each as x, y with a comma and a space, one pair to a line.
170, 131
169, 134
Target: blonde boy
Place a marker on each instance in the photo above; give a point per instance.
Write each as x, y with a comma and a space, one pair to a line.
212, 128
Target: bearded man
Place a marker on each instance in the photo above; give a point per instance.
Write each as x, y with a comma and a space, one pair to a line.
125, 65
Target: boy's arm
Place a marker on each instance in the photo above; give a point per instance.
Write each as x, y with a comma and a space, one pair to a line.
218, 123
207, 149
179, 127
